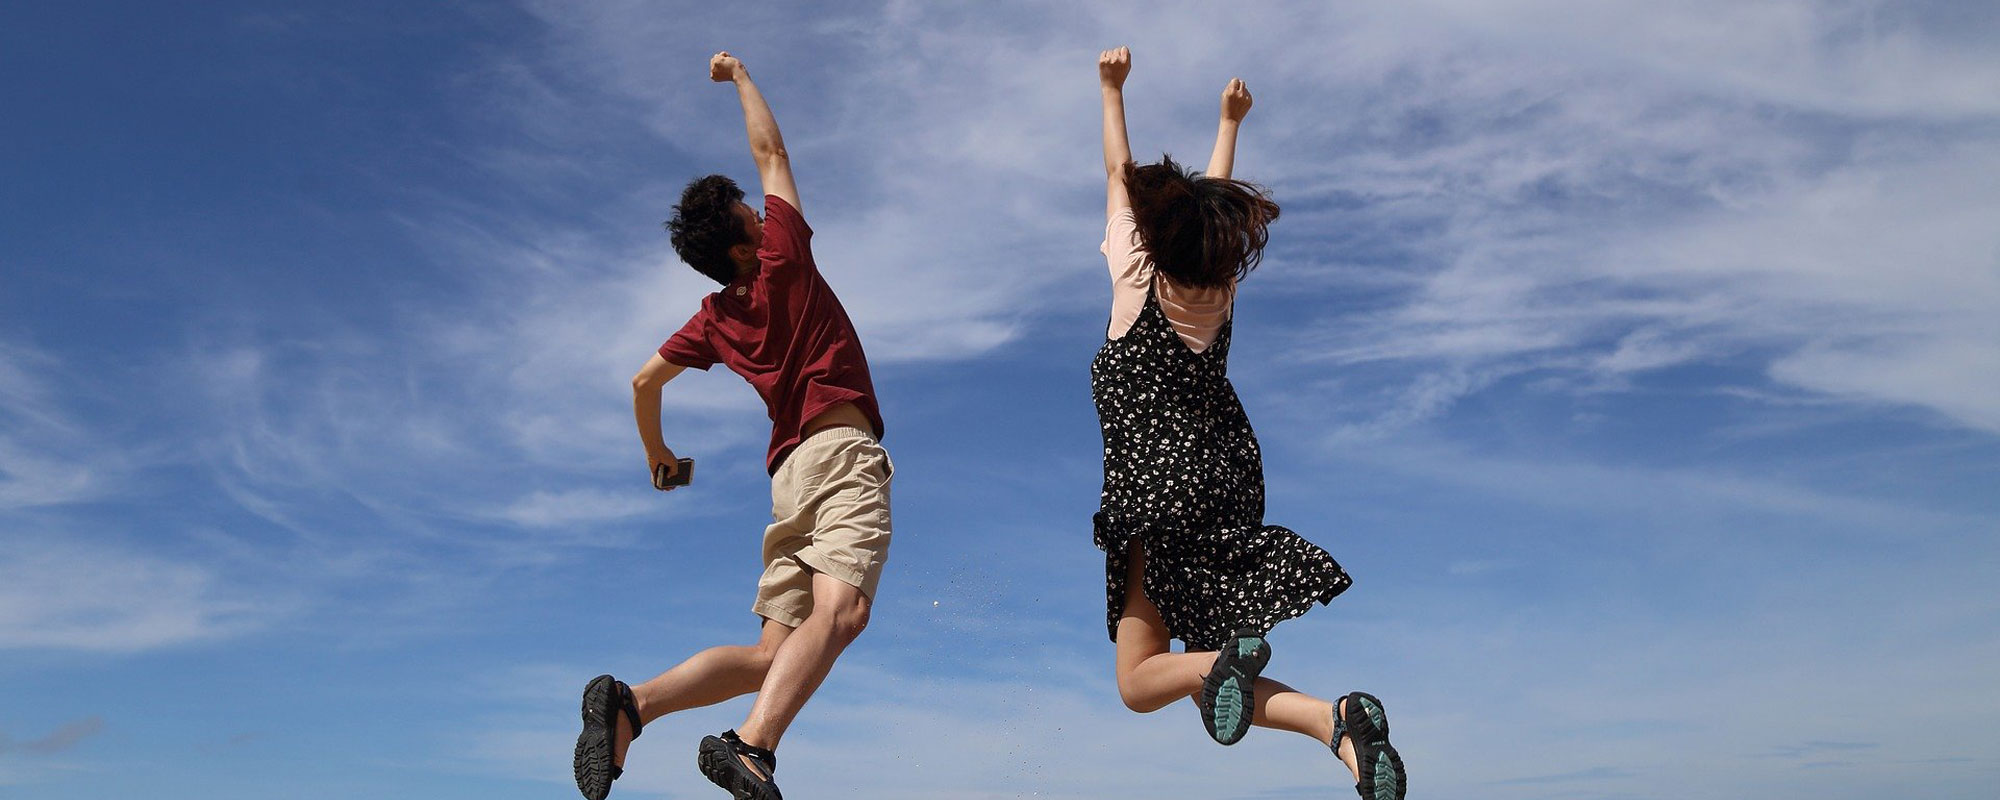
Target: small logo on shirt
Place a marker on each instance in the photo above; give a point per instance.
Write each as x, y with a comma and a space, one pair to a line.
741, 289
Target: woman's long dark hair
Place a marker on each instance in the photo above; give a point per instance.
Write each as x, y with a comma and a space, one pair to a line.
1201, 232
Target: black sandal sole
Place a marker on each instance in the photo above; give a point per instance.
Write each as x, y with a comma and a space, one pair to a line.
718, 763
593, 762
1382, 773
1229, 692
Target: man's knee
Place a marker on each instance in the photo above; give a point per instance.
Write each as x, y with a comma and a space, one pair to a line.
761, 655
843, 605
850, 618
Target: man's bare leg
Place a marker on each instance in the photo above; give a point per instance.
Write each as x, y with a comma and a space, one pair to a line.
704, 679
839, 614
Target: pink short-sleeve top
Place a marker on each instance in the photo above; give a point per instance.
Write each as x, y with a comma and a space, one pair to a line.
1196, 314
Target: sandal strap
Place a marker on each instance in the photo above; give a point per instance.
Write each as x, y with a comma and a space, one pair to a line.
1339, 724
764, 758
630, 706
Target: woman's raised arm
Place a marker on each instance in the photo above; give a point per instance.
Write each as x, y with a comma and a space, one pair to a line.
1112, 67
1235, 104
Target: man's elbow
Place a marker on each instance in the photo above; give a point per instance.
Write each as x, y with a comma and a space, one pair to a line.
771, 156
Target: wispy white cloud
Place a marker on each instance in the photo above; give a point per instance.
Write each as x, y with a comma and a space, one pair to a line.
930, 267
547, 509
69, 595
1960, 378
1868, 59
1564, 190
41, 444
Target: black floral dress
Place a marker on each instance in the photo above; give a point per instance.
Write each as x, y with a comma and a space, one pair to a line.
1183, 475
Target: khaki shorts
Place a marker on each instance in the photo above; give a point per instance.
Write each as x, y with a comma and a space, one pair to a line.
830, 512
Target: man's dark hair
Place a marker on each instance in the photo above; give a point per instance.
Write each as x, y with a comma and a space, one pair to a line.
1202, 232
705, 226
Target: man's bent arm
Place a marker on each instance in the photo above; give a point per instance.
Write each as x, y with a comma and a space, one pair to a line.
767, 146
646, 408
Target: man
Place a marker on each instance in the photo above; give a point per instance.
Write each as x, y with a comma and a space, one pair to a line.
776, 323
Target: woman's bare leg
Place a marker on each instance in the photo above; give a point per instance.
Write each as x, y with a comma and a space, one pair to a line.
1151, 676
1287, 709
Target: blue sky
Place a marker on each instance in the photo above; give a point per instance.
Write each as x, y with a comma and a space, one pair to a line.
1639, 360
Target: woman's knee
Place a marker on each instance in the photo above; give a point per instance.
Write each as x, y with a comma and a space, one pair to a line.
1136, 699
1131, 698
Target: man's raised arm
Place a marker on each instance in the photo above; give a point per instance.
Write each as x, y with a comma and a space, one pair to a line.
774, 165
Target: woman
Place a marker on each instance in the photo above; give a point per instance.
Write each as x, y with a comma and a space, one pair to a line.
1187, 553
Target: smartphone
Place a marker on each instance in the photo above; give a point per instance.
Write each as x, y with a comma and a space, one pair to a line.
680, 478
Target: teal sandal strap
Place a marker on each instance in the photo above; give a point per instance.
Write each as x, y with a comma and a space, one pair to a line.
1339, 725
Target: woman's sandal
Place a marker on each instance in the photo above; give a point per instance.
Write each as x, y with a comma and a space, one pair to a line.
1365, 724
603, 699
721, 760
1229, 693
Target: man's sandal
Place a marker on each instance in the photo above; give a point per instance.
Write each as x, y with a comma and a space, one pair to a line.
722, 758
1229, 693
1365, 724
604, 698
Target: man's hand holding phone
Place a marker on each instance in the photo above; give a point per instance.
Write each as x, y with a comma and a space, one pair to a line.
670, 472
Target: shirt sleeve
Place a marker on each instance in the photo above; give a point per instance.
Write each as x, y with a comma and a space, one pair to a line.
689, 346
787, 237
1131, 270
1124, 252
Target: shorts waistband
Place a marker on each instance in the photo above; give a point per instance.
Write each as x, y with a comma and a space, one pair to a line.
831, 432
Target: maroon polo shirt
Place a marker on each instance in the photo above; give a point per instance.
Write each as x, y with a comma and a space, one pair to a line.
782, 329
